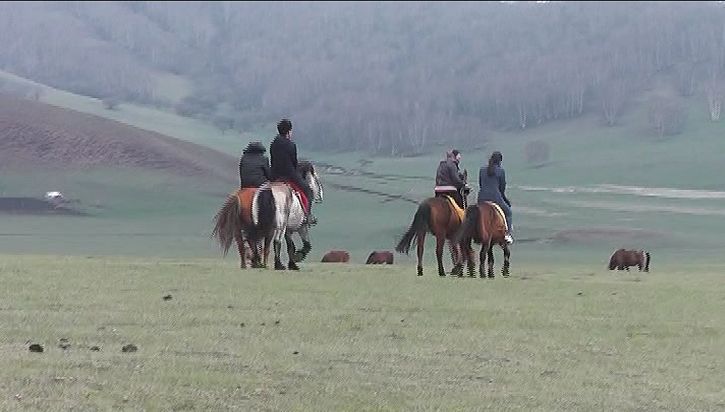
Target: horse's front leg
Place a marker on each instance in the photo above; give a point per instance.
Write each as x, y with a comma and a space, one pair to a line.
306, 245
290, 252
506, 260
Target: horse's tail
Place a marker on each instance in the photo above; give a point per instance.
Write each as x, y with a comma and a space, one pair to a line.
227, 223
647, 260
468, 227
420, 225
263, 211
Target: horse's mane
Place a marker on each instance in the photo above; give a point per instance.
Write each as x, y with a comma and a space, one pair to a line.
305, 167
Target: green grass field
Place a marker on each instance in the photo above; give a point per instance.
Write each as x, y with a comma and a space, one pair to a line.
349, 337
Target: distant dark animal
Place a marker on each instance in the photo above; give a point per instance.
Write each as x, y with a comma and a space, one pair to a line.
437, 216
622, 259
379, 258
336, 256
484, 224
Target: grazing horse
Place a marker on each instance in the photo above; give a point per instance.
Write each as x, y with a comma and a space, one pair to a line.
336, 256
437, 216
622, 259
380, 258
233, 222
277, 212
485, 224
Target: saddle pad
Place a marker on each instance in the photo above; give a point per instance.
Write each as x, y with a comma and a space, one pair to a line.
500, 212
460, 212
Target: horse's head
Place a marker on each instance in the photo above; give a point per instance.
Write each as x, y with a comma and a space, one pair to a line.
307, 169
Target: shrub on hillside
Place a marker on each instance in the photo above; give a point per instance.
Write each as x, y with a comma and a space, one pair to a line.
667, 116
536, 152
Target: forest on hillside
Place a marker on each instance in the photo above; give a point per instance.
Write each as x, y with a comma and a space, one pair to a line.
393, 78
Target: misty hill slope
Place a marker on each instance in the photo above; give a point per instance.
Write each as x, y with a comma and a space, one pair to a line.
388, 78
38, 136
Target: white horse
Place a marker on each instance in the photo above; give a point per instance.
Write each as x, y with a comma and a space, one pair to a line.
277, 213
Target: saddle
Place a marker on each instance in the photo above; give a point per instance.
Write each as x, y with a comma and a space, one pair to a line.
299, 193
499, 211
459, 212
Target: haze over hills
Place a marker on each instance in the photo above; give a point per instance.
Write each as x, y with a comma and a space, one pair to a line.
388, 78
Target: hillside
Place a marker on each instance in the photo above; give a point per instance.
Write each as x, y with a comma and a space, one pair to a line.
387, 78
37, 136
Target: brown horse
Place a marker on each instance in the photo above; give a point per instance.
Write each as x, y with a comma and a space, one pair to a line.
336, 256
484, 224
233, 222
434, 215
622, 259
380, 258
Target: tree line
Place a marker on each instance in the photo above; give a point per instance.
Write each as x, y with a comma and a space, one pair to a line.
391, 78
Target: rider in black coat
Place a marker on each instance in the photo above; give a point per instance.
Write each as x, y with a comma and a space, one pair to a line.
254, 166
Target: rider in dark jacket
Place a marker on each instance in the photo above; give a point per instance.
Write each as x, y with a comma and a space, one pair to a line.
254, 166
449, 181
492, 184
283, 153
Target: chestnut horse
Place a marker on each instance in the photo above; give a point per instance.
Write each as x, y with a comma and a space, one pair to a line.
233, 223
484, 224
434, 215
623, 259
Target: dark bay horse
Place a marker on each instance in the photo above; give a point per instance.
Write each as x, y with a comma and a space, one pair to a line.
434, 215
484, 224
622, 259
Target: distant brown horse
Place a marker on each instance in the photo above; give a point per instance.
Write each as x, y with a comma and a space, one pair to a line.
484, 224
379, 258
336, 256
233, 222
622, 259
434, 215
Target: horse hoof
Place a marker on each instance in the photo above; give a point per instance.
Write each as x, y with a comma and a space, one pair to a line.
279, 266
293, 266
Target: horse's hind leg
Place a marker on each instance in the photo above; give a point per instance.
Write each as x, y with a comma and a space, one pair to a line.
265, 251
471, 259
277, 242
240, 246
482, 259
506, 262
290, 252
421, 245
440, 243
490, 261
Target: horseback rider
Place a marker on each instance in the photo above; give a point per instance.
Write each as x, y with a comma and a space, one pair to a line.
449, 180
253, 166
283, 153
492, 185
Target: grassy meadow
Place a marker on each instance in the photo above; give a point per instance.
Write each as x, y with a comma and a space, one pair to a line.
350, 337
